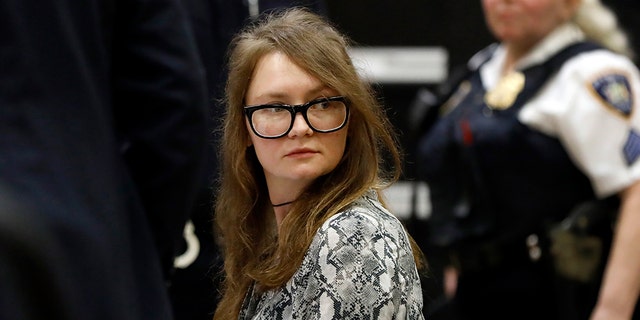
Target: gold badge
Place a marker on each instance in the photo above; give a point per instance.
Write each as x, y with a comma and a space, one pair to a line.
505, 92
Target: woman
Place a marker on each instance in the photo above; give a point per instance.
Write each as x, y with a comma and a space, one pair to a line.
542, 123
304, 233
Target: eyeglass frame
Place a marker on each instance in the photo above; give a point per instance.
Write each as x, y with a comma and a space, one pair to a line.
293, 110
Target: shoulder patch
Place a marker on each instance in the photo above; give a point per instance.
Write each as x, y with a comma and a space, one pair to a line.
614, 91
632, 147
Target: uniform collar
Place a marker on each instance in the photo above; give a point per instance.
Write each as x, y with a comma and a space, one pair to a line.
558, 39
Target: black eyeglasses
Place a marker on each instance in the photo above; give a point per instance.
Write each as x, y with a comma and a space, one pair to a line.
271, 121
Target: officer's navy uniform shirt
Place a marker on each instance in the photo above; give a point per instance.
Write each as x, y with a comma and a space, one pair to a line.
576, 138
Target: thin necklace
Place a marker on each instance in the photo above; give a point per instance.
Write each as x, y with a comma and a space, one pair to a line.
281, 204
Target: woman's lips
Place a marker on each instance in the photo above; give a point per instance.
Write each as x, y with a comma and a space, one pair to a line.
301, 152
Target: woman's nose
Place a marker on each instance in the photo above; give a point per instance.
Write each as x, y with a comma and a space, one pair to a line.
300, 126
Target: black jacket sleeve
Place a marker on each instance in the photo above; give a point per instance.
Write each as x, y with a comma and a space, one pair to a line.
160, 101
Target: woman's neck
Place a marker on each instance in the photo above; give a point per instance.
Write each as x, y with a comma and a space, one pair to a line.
281, 212
515, 51
282, 194
513, 55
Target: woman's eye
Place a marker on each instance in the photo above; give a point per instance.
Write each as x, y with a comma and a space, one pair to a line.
322, 105
275, 109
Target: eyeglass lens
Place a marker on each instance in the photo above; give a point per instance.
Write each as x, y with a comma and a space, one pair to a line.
323, 116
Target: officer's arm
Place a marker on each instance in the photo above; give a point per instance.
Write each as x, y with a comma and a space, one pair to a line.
621, 283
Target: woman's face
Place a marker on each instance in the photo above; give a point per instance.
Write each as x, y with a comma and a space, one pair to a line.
525, 22
301, 156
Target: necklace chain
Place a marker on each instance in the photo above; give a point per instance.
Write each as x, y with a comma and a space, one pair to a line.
281, 204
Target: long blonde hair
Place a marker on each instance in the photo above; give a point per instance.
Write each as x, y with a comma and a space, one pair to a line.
253, 252
600, 25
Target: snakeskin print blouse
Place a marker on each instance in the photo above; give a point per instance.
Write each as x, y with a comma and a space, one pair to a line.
358, 266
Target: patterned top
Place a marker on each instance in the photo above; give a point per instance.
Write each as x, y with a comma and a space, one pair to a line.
358, 266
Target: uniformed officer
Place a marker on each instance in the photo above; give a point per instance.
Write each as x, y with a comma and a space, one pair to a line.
539, 135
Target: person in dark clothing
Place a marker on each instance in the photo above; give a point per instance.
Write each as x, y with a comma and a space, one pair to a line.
529, 161
102, 140
194, 285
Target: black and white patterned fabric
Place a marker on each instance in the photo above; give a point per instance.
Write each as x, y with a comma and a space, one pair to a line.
358, 266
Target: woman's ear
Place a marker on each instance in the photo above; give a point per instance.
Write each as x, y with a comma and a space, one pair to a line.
249, 141
247, 133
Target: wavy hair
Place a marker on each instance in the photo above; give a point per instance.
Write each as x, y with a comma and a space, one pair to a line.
253, 249
600, 25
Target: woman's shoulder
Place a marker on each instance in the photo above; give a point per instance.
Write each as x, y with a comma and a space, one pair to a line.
366, 207
586, 79
595, 63
592, 80
366, 216
364, 229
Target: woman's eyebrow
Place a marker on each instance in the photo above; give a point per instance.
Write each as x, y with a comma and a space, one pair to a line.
281, 95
